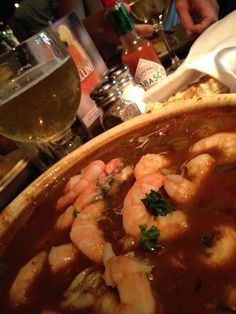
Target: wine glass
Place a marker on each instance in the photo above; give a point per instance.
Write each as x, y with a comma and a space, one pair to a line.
39, 96
155, 12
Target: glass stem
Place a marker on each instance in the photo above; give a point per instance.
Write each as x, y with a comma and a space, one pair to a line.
175, 61
64, 145
44, 155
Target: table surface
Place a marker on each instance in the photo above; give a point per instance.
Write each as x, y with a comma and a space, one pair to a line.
16, 172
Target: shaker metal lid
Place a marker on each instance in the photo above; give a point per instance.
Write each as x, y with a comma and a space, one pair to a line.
121, 73
118, 71
106, 91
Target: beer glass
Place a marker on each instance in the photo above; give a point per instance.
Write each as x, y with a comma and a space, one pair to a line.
155, 12
39, 96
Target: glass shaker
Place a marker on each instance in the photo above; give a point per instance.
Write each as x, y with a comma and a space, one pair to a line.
130, 90
115, 109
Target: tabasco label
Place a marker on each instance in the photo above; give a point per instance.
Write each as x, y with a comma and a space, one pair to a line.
148, 73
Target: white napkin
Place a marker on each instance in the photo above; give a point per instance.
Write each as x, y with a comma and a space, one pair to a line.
213, 53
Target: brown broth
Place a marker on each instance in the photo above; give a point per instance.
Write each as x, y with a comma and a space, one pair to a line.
183, 288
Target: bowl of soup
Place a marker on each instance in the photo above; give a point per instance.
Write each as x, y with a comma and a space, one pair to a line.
141, 219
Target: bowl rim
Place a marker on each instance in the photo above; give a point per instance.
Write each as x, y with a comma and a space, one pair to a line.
16, 213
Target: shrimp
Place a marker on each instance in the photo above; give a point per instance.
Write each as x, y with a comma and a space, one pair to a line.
65, 220
129, 276
86, 197
89, 175
172, 225
178, 188
183, 190
223, 144
150, 163
223, 249
110, 184
71, 183
199, 167
91, 289
62, 257
85, 233
21, 291
136, 214
84, 290
114, 165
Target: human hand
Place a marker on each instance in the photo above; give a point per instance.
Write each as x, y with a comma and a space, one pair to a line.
144, 30
206, 12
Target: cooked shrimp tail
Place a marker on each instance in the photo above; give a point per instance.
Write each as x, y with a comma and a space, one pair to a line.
129, 276
222, 146
76, 185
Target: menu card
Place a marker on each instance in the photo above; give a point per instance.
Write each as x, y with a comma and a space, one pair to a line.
89, 63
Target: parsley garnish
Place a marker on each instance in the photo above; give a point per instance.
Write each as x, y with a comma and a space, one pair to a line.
149, 238
156, 204
75, 212
207, 241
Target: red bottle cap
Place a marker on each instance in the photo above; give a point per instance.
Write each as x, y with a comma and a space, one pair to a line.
108, 3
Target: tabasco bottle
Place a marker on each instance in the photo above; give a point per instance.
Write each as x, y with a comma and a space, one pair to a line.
138, 53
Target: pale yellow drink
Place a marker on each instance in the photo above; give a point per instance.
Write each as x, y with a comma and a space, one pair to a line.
40, 103
150, 11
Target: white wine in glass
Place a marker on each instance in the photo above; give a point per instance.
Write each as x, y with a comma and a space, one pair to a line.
155, 12
39, 95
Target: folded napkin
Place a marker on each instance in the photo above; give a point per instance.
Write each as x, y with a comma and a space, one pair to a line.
213, 53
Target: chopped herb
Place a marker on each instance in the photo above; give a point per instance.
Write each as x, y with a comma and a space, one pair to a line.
149, 238
156, 204
207, 241
75, 212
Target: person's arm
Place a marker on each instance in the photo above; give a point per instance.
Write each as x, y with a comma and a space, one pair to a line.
196, 15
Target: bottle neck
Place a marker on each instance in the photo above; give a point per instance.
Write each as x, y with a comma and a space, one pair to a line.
120, 19
130, 39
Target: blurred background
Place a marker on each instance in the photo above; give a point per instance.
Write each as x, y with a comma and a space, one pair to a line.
20, 19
